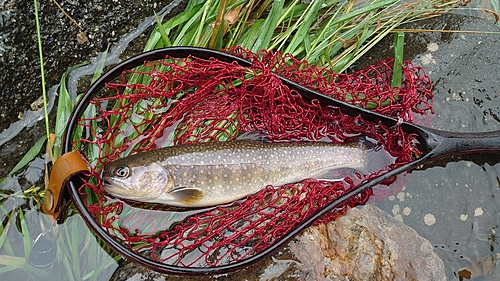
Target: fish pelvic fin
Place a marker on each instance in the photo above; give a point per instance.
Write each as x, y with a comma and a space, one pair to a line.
186, 195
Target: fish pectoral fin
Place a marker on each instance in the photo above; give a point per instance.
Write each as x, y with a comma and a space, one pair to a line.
186, 195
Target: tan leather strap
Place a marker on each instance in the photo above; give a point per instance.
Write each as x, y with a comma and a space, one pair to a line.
65, 167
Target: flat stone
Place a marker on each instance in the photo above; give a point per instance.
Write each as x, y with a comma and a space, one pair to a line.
366, 244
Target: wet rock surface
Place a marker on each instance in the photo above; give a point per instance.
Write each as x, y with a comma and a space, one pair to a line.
366, 244
463, 68
102, 23
64, 43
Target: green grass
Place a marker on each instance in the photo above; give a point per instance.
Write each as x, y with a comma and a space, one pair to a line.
330, 33
44, 91
397, 76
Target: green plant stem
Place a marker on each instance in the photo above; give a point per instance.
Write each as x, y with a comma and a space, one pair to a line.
44, 92
397, 72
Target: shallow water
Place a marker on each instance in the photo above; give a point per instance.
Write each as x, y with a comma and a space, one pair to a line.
454, 202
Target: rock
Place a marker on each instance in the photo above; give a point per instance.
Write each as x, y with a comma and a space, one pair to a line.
366, 244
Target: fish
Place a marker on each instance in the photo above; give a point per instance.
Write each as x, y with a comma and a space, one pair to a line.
214, 173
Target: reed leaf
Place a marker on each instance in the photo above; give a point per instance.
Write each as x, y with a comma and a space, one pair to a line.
397, 72
28, 157
25, 233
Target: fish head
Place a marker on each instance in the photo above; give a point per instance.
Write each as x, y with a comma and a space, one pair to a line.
142, 183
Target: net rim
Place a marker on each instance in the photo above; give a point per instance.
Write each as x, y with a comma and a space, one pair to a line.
184, 52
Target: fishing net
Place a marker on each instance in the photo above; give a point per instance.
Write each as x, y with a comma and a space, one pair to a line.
179, 101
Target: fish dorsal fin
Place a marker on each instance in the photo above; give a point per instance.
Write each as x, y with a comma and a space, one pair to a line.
186, 195
254, 136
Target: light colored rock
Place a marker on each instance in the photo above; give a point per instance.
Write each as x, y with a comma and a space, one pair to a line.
366, 244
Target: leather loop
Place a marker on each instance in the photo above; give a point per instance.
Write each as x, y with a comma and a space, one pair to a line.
56, 197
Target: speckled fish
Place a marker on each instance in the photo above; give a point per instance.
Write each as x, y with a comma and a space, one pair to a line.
213, 173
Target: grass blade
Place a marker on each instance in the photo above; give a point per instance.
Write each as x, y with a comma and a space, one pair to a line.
16, 262
4, 230
178, 21
25, 233
185, 36
64, 109
75, 241
37, 273
270, 24
303, 31
164, 36
100, 66
249, 38
397, 72
44, 92
6, 269
28, 157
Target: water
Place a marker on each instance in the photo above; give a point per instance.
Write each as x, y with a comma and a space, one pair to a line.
454, 202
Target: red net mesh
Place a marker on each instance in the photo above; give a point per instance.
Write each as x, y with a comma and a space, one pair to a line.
178, 101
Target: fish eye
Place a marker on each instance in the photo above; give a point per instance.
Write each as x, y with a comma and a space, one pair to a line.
122, 171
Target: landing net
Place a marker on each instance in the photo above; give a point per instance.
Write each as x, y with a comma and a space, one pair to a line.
178, 101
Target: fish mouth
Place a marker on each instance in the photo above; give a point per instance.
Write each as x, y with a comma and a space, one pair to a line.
106, 185
117, 190
112, 188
